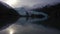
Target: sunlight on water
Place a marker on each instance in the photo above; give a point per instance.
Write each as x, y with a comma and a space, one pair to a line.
11, 31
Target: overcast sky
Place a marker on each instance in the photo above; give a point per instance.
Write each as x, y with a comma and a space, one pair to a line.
33, 2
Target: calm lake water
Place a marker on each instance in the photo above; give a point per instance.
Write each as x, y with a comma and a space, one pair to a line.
29, 25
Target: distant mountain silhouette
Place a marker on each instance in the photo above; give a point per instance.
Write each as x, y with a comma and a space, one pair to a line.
53, 15
7, 15
24, 12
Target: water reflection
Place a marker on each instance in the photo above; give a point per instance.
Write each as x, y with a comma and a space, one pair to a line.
25, 25
29, 20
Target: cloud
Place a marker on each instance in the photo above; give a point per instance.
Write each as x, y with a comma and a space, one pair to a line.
34, 2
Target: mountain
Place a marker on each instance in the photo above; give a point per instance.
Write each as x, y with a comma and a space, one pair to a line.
25, 10
53, 12
21, 10
7, 15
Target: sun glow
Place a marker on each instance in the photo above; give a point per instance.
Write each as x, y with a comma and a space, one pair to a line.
11, 31
11, 2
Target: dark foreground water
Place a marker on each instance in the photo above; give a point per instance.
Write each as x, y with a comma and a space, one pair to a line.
29, 25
